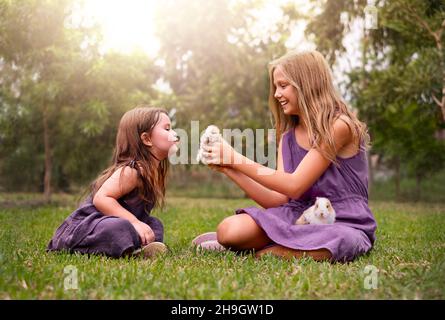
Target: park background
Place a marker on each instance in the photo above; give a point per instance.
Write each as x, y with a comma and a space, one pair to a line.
70, 69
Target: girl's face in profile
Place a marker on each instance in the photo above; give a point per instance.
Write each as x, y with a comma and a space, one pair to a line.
164, 140
285, 93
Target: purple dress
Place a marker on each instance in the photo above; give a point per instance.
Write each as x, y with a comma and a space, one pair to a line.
87, 230
353, 232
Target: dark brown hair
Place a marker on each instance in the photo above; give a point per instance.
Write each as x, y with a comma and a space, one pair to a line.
129, 147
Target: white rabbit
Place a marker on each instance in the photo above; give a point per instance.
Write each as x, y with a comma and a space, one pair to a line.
210, 136
321, 212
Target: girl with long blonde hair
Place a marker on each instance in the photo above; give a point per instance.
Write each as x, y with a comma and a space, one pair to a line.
321, 153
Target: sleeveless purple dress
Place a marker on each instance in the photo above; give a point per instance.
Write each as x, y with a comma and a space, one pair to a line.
353, 232
87, 230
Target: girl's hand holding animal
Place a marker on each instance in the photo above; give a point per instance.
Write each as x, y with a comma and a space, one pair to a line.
146, 234
221, 153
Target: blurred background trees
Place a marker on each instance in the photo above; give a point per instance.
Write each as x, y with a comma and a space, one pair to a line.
62, 94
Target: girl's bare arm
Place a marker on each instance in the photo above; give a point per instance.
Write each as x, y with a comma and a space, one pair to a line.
105, 199
292, 185
263, 196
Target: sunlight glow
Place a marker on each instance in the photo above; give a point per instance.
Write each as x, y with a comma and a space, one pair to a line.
127, 25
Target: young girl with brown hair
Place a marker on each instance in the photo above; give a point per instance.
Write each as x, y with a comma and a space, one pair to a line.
115, 218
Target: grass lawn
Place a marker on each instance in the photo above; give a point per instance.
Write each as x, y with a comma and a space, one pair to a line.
409, 254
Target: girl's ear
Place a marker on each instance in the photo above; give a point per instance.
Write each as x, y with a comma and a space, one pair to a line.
145, 137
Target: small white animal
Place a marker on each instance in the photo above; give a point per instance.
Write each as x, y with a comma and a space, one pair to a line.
210, 136
321, 212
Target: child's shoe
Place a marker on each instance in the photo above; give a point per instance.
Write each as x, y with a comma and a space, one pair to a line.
204, 237
152, 249
208, 241
211, 245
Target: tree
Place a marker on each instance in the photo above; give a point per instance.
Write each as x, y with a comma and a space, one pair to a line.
394, 89
41, 54
61, 98
216, 63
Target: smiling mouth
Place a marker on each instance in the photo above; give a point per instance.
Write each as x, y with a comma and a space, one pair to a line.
283, 103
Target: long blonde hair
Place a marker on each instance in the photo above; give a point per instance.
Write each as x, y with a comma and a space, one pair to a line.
129, 147
319, 103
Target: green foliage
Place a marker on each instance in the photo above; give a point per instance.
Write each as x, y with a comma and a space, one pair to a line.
216, 67
328, 28
55, 82
402, 69
55, 72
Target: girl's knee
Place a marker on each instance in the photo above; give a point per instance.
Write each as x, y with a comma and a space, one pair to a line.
240, 232
226, 232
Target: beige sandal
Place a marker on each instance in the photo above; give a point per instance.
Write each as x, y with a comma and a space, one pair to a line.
152, 249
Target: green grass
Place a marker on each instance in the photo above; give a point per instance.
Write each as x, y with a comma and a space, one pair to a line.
409, 253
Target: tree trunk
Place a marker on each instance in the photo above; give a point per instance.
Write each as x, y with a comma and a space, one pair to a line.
438, 38
418, 188
397, 178
441, 103
48, 160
